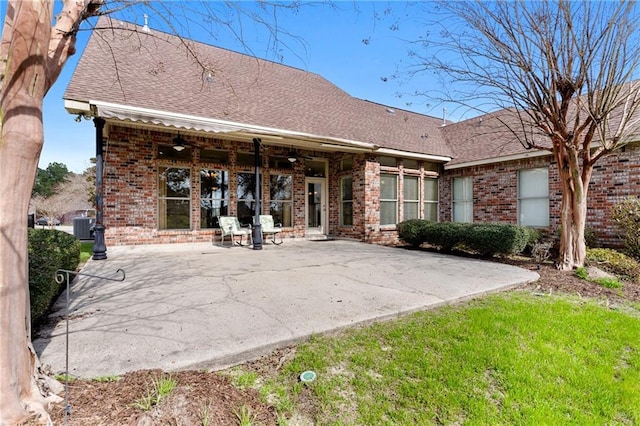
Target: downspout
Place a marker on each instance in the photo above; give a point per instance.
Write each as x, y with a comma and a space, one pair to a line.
99, 247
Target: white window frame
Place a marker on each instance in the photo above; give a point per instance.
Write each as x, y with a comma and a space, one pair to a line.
462, 201
345, 201
286, 204
410, 199
389, 201
533, 199
426, 203
164, 199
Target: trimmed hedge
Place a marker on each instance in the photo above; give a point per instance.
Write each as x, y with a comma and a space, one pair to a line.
49, 250
488, 239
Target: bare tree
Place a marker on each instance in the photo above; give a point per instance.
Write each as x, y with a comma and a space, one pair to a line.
563, 70
71, 195
33, 52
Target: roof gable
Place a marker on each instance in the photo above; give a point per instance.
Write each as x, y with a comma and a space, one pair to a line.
158, 71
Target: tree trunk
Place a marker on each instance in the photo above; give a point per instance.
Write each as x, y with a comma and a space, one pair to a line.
573, 210
31, 56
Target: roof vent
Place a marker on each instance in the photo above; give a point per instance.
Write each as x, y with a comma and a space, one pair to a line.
390, 111
146, 28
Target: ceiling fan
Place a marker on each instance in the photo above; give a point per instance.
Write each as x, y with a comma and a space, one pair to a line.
293, 156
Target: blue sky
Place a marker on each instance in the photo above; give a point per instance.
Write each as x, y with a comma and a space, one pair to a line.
355, 45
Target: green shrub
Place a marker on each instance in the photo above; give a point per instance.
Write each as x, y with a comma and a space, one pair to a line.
49, 250
626, 214
614, 262
412, 231
490, 239
445, 235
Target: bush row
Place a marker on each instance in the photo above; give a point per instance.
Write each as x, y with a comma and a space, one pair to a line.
49, 250
488, 239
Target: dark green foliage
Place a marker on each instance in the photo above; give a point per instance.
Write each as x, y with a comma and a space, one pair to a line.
412, 231
445, 235
615, 263
488, 239
49, 250
47, 179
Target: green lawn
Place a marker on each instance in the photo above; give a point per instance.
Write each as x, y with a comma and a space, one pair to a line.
86, 251
511, 358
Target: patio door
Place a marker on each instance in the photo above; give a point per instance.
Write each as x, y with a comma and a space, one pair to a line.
316, 208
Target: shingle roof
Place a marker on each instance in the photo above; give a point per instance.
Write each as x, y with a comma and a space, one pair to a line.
123, 65
486, 137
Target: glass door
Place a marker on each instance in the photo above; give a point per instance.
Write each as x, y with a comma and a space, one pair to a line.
316, 205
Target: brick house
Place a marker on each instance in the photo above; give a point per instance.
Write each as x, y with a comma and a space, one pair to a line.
177, 135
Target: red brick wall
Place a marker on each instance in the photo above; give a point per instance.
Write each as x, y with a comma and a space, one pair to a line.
131, 188
131, 169
495, 191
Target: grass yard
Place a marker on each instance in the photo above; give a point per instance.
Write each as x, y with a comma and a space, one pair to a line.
512, 358
86, 251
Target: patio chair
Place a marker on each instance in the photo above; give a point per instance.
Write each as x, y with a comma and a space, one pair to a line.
230, 226
269, 228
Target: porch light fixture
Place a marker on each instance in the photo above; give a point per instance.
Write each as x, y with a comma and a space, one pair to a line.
292, 157
178, 143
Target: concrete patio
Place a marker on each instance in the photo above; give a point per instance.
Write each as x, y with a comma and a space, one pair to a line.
186, 306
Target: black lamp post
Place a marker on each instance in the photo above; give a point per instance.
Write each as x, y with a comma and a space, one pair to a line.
99, 247
257, 234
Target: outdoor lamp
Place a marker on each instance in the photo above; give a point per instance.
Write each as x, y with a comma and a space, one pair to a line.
178, 143
292, 157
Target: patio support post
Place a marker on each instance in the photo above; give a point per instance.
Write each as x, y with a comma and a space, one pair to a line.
99, 247
257, 234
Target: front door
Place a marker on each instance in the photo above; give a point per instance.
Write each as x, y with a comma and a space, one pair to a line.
316, 211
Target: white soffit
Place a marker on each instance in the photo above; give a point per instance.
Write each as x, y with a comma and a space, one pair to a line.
493, 160
413, 155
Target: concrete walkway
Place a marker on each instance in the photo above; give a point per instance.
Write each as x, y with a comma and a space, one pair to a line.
202, 306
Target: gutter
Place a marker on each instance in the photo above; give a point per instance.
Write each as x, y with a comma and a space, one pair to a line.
494, 160
110, 110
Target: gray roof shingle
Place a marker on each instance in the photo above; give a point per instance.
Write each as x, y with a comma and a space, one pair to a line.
123, 65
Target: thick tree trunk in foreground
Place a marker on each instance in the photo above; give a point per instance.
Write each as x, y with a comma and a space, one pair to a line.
573, 210
32, 54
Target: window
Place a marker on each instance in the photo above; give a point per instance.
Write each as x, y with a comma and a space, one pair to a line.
279, 163
214, 197
346, 164
216, 156
388, 161
430, 198
246, 193
533, 197
174, 198
410, 164
246, 159
463, 199
314, 168
346, 201
411, 202
431, 167
388, 199
281, 207
166, 152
